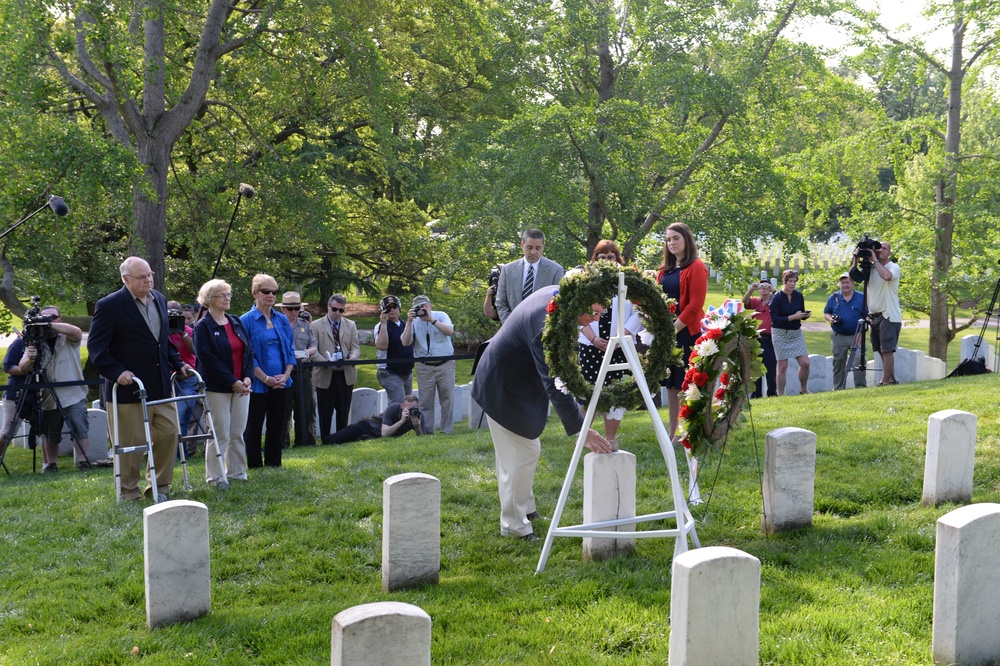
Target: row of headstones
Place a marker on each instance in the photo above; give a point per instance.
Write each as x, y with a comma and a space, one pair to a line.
911, 366
98, 442
710, 585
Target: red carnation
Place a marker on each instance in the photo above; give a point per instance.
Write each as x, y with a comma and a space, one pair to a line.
700, 379
724, 378
700, 340
551, 307
713, 333
673, 308
720, 393
685, 412
686, 444
685, 384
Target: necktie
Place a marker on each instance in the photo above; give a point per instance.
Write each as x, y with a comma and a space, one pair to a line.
336, 334
529, 283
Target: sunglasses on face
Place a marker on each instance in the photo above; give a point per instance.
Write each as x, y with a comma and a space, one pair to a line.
269, 292
341, 310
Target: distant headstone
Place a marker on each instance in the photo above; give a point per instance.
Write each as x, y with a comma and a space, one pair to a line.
384, 633
820, 374
950, 457
411, 531
177, 557
789, 479
364, 404
608, 494
477, 417
98, 441
460, 402
908, 364
715, 608
966, 579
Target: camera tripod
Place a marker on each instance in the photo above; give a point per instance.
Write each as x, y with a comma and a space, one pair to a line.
857, 358
30, 398
976, 364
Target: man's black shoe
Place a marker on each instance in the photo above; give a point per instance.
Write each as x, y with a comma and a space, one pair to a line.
534, 515
529, 537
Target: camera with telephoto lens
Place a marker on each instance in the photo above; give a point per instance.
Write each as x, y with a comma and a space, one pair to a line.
494, 278
175, 321
419, 311
36, 325
861, 251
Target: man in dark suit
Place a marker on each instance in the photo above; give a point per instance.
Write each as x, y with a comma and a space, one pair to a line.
513, 387
129, 338
525, 276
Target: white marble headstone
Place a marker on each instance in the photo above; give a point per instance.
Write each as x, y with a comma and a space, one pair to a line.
789, 479
384, 633
715, 608
608, 494
411, 531
364, 403
177, 562
950, 458
966, 579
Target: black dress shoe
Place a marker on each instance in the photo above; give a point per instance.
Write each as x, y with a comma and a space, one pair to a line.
529, 537
534, 515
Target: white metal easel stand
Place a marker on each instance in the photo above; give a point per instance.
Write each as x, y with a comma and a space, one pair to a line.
681, 514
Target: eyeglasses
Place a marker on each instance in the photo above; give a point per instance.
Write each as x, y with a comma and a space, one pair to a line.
290, 307
141, 277
226, 295
269, 292
333, 309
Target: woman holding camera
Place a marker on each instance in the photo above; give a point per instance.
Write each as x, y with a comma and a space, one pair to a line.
273, 359
684, 278
594, 337
225, 362
761, 306
788, 309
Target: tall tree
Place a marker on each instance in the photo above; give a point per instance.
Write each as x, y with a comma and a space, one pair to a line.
974, 36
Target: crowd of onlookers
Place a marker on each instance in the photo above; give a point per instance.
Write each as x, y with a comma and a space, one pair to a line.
269, 370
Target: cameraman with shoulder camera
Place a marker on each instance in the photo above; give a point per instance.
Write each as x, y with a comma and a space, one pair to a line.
884, 312
843, 310
490, 302
398, 419
59, 351
430, 331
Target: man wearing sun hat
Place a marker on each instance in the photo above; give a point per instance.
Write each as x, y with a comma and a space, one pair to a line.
843, 310
300, 399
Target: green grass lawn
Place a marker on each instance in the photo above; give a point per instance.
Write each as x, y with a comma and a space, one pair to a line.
297, 545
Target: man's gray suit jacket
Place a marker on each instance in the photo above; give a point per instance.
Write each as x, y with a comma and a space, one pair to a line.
512, 283
512, 382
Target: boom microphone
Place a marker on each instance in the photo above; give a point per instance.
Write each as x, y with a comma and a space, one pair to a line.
58, 205
244, 191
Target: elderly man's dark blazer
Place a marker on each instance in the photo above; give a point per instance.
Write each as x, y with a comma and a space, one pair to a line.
120, 340
512, 382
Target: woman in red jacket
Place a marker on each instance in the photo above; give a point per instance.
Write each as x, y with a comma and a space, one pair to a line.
684, 278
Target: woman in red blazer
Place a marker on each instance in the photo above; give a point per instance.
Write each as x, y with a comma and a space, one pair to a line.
684, 278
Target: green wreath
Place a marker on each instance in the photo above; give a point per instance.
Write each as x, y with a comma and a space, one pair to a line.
598, 283
728, 352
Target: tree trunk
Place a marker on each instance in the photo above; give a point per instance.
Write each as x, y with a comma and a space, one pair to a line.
149, 239
944, 193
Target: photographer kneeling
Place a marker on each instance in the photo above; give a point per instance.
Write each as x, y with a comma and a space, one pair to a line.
59, 351
398, 419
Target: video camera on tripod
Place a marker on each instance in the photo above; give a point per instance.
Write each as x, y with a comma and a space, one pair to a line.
36, 325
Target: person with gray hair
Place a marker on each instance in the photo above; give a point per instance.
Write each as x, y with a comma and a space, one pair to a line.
128, 338
225, 361
522, 277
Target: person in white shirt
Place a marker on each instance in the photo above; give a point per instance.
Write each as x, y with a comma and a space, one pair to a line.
430, 332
